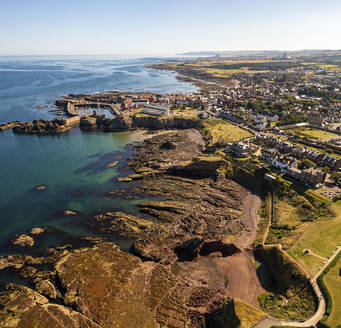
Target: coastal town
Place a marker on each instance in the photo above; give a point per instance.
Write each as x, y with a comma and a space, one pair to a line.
170, 164
266, 127
292, 112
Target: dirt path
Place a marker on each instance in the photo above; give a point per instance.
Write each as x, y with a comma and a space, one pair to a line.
250, 207
270, 219
316, 255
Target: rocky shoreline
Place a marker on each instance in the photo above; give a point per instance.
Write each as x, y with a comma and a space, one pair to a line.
186, 262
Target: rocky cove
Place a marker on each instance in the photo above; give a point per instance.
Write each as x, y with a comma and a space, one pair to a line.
190, 250
191, 263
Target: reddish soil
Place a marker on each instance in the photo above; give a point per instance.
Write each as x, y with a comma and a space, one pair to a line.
251, 205
235, 275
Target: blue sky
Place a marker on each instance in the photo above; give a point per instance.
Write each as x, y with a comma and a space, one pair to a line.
154, 27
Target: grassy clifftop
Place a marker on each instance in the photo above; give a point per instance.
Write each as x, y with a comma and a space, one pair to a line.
289, 294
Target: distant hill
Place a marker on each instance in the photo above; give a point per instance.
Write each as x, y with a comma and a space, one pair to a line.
246, 53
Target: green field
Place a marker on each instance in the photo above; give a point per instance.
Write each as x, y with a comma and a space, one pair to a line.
286, 223
315, 134
226, 72
333, 282
330, 67
220, 132
321, 237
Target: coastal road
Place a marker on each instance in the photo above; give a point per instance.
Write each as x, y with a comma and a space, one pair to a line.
321, 305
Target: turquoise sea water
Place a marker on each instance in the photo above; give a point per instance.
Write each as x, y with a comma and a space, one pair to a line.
73, 166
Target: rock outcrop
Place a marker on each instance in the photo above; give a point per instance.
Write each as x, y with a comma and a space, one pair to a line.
42, 127
23, 241
184, 264
104, 287
125, 122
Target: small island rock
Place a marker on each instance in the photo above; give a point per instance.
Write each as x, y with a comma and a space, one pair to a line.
23, 241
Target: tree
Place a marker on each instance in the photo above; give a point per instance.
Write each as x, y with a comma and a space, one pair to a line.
305, 164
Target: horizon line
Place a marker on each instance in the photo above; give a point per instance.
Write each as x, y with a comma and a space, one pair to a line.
169, 54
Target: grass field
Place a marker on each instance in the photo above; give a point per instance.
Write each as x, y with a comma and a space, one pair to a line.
321, 237
186, 112
247, 314
220, 132
316, 134
330, 67
226, 72
286, 224
333, 282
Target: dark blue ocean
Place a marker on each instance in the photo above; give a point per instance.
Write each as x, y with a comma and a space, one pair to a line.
73, 166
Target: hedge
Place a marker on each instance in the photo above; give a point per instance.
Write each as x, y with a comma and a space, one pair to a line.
329, 303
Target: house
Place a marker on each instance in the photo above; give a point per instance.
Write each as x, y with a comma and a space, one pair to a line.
311, 177
283, 163
294, 173
270, 117
269, 154
155, 110
240, 149
259, 121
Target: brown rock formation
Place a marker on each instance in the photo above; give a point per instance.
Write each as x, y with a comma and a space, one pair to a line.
23, 241
186, 262
42, 127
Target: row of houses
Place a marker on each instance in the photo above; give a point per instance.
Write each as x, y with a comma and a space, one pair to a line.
312, 177
280, 146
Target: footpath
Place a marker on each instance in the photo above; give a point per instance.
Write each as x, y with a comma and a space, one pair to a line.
269, 322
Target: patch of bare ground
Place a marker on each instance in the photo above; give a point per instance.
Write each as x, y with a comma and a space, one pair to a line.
235, 275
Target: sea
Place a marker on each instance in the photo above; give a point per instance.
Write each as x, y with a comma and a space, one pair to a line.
73, 166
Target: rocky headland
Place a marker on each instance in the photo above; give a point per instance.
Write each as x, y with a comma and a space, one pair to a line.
42, 126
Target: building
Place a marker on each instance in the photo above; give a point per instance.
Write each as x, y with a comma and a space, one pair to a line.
294, 173
270, 178
240, 149
311, 177
155, 110
269, 154
283, 163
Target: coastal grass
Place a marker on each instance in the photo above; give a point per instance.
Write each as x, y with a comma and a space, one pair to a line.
235, 313
315, 134
291, 212
322, 237
220, 132
311, 262
332, 281
247, 314
226, 72
264, 221
285, 213
295, 308
186, 111
288, 294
